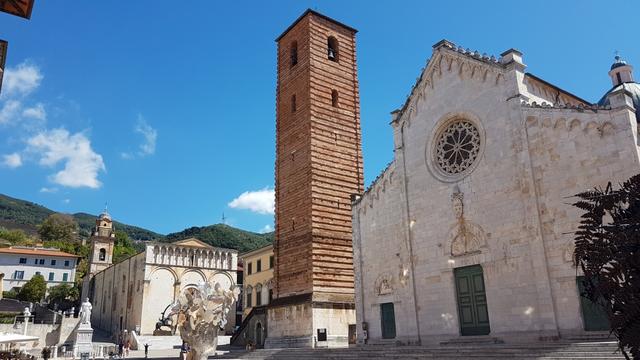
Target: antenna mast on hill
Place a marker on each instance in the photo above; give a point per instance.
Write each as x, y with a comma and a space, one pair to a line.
224, 219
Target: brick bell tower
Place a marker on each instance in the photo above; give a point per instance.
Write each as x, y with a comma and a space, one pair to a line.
318, 168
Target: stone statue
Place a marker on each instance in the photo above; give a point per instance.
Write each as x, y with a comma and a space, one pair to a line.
85, 312
202, 313
83, 344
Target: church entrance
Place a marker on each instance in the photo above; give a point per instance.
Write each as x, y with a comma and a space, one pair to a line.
259, 337
472, 301
594, 317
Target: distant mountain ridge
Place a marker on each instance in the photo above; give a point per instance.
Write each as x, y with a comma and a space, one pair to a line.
225, 236
26, 216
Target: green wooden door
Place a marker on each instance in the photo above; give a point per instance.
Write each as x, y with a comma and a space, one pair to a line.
594, 316
388, 319
472, 301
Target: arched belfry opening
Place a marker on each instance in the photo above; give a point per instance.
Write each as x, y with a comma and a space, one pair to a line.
332, 49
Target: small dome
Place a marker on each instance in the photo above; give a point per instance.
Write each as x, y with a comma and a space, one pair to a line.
105, 215
631, 87
619, 62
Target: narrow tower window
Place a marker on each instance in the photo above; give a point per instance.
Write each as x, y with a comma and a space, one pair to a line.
293, 103
332, 49
294, 53
334, 98
103, 254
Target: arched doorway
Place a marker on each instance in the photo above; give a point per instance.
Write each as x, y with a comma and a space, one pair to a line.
259, 335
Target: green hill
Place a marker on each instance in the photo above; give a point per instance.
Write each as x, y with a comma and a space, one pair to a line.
26, 216
225, 236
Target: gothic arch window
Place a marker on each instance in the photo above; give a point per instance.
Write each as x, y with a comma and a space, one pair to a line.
294, 53
293, 103
258, 294
248, 301
103, 255
332, 49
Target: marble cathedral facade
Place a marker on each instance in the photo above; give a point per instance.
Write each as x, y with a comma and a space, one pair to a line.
469, 230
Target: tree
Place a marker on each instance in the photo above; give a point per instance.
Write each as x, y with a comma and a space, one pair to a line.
15, 237
123, 248
63, 296
608, 252
34, 290
58, 227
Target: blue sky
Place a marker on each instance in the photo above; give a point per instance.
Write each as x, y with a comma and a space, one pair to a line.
167, 111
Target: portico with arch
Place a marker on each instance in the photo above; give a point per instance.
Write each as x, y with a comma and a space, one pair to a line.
135, 293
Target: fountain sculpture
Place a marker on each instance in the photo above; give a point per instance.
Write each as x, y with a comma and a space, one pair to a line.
202, 314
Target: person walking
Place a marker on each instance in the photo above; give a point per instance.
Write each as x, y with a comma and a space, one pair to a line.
127, 346
146, 351
184, 351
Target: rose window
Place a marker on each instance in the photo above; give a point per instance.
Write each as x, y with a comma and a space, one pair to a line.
457, 147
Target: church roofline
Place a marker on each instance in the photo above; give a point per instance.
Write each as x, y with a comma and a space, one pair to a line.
558, 89
373, 183
313, 12
256, 251
451, 46
178, 243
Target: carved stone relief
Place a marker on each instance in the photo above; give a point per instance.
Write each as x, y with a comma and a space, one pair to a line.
466, 237
384, 284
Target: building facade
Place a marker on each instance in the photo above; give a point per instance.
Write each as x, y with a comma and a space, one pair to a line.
258, 278
135, 293
318, 167
19, 264
469, 230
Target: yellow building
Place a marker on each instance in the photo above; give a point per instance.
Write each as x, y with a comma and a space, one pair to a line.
258, 276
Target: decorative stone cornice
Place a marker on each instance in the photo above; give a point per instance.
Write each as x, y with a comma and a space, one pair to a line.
579, 107
378, 184
449, 57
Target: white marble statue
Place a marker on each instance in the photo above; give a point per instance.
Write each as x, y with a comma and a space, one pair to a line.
85, 312
202, 313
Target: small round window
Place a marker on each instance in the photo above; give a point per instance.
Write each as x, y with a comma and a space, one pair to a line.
457, 147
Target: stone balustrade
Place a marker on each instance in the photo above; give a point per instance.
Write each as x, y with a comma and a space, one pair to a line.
173, 255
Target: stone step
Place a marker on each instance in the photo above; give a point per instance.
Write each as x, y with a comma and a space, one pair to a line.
472, 340
540, 351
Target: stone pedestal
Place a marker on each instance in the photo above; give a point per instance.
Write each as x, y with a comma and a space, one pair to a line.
309, 324
83, 343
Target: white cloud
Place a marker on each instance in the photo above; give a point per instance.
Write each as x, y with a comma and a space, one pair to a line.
266, 229
12, 160
148, 146
9, 111
81, 163
126, 155
261, 201
36, 112
21, 80
49, 190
